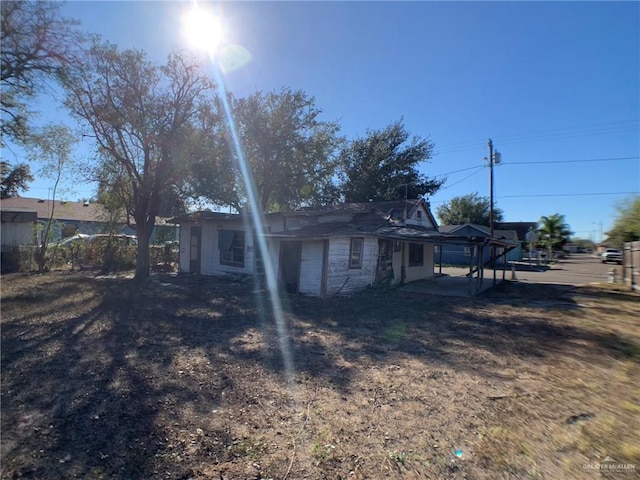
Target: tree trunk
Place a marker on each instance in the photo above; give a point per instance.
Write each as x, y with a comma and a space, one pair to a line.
143, 232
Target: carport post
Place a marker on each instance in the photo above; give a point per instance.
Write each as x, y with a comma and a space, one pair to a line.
471, 273
480, 269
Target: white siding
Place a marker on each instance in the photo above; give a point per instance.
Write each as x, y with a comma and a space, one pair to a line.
18, 233
424, 221
209, 252
311, 268
344, 279
183, 256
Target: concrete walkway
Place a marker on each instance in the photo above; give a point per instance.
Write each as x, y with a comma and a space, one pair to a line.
454, 283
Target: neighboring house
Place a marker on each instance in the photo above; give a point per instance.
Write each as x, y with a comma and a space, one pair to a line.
324, 252
521, 229
465, 254
70, 218
16, 229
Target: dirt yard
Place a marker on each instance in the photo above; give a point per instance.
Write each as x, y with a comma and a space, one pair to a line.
183, 378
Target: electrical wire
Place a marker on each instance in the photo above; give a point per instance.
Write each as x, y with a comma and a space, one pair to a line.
537, 195
611, 159
600, 129
462, 179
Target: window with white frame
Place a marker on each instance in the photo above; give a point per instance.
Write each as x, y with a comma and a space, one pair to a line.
355, 252
468, 251
231, 245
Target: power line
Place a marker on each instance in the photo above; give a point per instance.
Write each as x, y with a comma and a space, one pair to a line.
610, 159
586, 160
458, 171
462, 180
601, 129
569, 194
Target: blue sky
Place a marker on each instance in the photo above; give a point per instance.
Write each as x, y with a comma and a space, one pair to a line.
548, 81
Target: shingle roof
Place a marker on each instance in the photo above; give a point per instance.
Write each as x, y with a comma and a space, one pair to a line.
62, 210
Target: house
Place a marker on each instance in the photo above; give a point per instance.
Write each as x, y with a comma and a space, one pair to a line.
70, 218
17, 229
521, 229
460, 254
320, 252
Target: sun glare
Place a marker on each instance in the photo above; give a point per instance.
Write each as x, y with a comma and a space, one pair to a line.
203, 29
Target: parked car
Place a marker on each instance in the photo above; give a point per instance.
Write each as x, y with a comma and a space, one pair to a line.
611, 255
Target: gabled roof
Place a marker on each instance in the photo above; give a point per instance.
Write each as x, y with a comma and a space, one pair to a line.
62, 210
393, 209
521, 228
365, 214
510, 235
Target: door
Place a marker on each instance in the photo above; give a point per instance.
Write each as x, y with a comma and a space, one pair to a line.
384, 271
195, 249
290, 254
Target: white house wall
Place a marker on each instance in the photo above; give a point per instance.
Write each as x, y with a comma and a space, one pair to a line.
18, 233
209, 251
344, 279
424, 221
413, 273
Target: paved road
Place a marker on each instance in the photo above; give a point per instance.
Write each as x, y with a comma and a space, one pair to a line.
578, 269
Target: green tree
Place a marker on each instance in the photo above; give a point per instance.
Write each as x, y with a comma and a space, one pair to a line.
553, 232
37, 45
287, 147
138, 113
470, 208
383, 165
13, 179
626, 227
52, 146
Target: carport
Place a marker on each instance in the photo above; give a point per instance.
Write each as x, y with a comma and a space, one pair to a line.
451, 281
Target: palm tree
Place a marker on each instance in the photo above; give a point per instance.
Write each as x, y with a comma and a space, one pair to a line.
553, 232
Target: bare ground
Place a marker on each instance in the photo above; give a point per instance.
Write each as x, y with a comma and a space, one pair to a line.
183, 378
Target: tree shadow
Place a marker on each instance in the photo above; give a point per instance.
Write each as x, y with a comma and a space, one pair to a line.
96, 376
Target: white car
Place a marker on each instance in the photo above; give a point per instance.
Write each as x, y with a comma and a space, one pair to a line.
611, 255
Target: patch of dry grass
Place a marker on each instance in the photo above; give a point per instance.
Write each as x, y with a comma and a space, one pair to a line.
183, 377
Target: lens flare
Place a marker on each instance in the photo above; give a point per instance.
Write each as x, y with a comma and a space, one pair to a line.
203, 29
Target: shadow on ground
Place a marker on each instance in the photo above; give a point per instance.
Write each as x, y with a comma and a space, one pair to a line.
97, 371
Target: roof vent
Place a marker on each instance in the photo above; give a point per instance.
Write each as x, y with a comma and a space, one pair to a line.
40, 201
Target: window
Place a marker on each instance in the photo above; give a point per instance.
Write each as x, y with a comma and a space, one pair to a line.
355, 253
467, 251
416, 255
419, 214
436, 250
231, 245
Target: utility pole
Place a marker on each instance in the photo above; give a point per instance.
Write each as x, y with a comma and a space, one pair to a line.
490, 143
494, 157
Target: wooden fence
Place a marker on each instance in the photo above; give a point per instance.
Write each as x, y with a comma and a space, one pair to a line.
631, 265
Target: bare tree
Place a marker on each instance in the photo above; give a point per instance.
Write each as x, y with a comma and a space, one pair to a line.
37, 45
52, 146
137, 112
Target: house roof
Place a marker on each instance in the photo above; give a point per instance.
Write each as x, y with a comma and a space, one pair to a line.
393, 209
521, 228
366, 212
510, 235
62, 210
